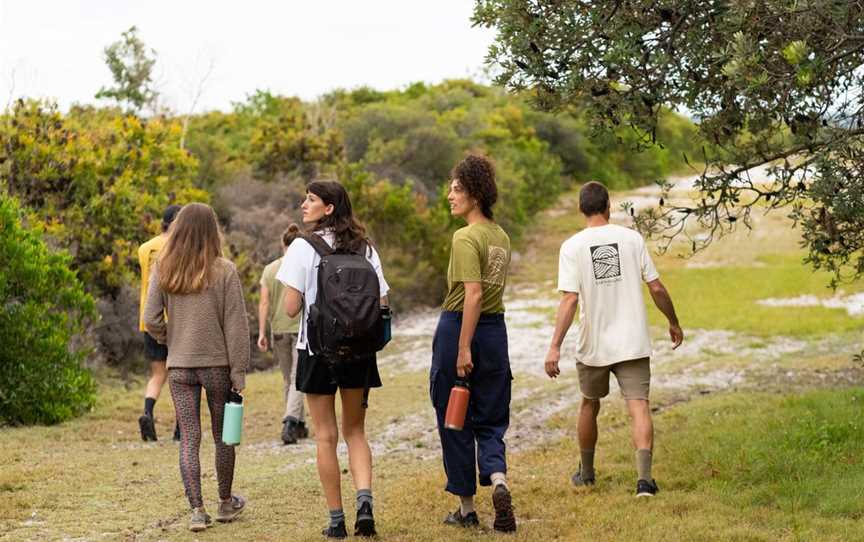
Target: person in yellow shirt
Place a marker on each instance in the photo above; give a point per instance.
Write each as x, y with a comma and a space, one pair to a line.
156, 353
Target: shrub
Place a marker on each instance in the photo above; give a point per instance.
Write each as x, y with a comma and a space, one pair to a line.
44, 306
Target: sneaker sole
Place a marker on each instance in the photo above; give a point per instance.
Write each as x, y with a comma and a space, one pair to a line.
365, 527
229, 519
197, 528
148, 431
644, 494
505, 519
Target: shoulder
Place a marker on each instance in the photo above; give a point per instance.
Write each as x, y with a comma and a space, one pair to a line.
150, 245
574, 241
464, 233
629, 234
225, 267
272, 267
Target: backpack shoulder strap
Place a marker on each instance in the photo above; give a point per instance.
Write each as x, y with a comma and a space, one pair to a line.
318, 243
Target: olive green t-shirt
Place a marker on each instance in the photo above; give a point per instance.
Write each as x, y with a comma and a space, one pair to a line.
480, 253
280, 322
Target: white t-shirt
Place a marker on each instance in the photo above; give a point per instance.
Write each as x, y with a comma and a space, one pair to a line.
606, 266
299, 270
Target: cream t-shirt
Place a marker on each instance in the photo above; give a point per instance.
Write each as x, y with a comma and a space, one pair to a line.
606, 266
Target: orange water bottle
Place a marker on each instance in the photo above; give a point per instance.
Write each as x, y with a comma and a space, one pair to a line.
457, 406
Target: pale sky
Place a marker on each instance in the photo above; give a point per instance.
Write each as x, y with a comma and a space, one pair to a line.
300, 48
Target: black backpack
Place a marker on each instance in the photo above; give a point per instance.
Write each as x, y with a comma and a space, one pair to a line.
344, 323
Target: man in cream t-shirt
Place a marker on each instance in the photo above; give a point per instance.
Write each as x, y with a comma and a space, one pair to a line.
604, 266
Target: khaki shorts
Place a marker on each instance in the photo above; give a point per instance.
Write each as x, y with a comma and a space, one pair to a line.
634, 379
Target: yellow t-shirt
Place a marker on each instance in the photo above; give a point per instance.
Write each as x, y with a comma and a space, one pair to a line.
146, 254
480, 253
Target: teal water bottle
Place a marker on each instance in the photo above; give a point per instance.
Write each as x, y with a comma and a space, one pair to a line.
232, 420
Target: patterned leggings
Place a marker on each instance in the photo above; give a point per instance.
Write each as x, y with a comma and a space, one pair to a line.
186, 387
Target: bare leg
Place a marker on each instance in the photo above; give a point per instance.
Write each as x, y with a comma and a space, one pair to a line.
587, 425
643, 427
158, 375
323, 411
354, 432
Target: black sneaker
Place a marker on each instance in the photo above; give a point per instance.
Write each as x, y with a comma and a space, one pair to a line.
365, 523
456, 518
505, 520
580, 481
338, 531
302, 431
148, 428
177, 433
289, 431
644, 488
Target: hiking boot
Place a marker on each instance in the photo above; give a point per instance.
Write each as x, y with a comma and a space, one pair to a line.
199, 520
579, 481
230, 509
644, 488
338, 531
505, 521
365, 523
148, 427
289, 431
302, 431
456, 518
176, 437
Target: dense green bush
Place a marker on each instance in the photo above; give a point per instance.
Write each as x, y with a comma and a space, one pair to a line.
43, 306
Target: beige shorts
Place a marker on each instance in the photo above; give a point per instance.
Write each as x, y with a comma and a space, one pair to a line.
634, 379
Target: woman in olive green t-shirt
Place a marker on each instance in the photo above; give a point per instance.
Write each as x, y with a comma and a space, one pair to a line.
470, 344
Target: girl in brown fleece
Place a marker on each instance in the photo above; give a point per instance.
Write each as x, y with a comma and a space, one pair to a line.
195, 306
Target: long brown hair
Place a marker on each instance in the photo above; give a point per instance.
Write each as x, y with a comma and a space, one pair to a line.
187, 261
349, 233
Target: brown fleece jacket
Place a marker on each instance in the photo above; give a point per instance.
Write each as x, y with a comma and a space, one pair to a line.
204, 329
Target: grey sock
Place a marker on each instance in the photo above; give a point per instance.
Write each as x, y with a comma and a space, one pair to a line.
643, 464
337, 517
364, 495
587, 469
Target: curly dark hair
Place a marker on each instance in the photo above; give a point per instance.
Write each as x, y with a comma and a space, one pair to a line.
350, 234
476, 174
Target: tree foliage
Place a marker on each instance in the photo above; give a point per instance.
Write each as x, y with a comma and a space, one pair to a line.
95, 182
773, 82
43, 306
131, 64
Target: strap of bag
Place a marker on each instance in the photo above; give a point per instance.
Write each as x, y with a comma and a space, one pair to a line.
318, 243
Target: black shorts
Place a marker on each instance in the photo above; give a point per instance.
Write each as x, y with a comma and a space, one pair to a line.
153, 350
315, 375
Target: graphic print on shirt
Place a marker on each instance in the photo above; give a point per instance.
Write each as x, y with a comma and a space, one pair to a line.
496, 266
606, 261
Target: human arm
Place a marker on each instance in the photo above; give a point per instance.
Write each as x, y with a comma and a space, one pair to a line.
563, 319
236, 326
263, 312
293, 301
154, 309
470, 316
663, 301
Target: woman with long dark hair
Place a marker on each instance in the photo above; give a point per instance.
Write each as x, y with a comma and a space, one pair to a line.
471, 343
207, 335
328, 215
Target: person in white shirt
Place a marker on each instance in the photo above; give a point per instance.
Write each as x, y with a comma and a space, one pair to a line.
604, 266
327, 213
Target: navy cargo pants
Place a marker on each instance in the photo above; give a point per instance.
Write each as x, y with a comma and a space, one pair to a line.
481, 441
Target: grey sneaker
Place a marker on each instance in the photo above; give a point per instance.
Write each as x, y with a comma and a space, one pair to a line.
230, 509
199, 520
